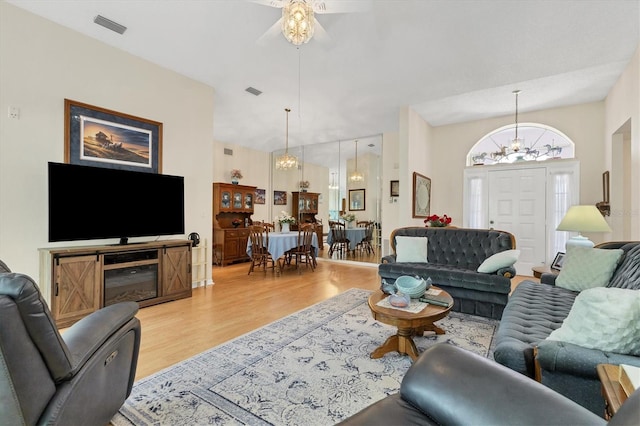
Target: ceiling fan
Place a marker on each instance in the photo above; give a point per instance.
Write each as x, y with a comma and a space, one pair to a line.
305, 10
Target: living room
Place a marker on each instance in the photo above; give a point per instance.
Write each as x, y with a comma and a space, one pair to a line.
44, 63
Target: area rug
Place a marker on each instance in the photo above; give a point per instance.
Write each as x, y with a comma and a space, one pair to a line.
309, 368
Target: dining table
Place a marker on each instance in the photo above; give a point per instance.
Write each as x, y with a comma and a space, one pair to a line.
354, 235
280, 242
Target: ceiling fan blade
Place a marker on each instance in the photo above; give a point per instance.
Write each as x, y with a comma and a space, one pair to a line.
271, 3
341, 6
273, 31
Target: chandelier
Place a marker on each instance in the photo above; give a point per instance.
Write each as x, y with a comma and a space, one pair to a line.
333, 184
297, 21
286, 161
517, 150
356, 176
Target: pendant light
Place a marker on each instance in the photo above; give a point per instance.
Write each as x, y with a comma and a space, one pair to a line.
286, 161
356, 176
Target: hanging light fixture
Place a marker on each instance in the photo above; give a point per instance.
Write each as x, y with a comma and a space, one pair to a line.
286, 161
356, 176
517, 143
333, 184
297, 21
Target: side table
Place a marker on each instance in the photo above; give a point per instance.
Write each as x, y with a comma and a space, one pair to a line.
543, 269
612, 392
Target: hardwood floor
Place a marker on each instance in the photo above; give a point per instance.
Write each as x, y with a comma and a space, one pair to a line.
238, 303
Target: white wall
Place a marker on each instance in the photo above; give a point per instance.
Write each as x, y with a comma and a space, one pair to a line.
621, 106
44, 63
584, 124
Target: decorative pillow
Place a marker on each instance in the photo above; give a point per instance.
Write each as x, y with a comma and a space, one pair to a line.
588, 268
411, 249
603, 318
504, 259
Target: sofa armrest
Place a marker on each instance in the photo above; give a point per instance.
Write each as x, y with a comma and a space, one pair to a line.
567, 358
391, 258
548, 278
87, 335
455, 386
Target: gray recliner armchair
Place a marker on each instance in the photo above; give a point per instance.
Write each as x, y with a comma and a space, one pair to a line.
81, 377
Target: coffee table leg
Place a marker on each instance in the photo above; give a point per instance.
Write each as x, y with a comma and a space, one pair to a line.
401, 343
434, 328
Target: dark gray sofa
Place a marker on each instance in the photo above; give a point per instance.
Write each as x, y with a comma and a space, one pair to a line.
450, 386
535, 310
454, 255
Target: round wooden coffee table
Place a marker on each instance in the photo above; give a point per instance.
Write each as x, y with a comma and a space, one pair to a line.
409, 324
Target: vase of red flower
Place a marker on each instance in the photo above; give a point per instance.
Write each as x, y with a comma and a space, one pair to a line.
437, 221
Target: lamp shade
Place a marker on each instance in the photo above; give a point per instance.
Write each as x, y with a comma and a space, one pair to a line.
583, 219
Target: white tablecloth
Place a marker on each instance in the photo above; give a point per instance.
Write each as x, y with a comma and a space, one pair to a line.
279, 243
354, 235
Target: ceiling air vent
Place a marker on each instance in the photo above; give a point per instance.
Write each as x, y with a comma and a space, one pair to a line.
228, 151
109, 24
253, 91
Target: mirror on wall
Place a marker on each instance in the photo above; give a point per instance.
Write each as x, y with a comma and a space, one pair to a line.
327, 167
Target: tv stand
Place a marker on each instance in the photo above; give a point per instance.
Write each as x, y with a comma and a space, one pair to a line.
72, 279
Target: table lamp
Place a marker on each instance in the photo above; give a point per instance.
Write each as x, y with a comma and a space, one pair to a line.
583, 219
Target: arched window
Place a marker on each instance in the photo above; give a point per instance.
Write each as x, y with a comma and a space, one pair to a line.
534, 142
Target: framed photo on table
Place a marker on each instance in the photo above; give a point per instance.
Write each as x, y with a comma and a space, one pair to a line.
100, 137
558, 261
356, 199
421, 195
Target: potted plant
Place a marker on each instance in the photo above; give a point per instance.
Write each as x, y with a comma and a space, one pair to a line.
437, 221
349, 218
285, 220
236, 175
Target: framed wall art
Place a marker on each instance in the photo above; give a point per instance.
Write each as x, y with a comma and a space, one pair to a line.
356, 199
279, 198
394, 189
421, 195
100, 137
261, 195
558, 261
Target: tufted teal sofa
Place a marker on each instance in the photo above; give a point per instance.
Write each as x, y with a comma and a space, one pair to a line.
535, 310
453, 256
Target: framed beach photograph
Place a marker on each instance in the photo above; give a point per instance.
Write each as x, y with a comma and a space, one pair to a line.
394, 189
558, 261
261, 196
356, 199
100, 137
279, 198
421, 195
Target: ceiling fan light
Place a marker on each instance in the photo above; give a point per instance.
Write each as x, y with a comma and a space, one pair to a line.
297, 22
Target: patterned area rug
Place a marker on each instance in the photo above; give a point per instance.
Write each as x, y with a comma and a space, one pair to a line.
310, 368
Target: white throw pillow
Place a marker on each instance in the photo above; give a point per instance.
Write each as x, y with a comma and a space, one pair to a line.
585, 268
504, 259
603, 318
411, 249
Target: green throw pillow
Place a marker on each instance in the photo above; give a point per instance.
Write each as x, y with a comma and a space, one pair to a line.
504, 259
603, 318
411, 249
586, 268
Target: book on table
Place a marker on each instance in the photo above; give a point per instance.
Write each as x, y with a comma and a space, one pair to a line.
629, 378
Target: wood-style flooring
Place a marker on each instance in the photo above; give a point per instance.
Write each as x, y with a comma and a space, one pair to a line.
238, 303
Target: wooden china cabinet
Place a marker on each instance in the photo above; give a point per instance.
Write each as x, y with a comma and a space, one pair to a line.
231, 202
304, 207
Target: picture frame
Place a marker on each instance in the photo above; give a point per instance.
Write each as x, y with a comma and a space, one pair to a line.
394, 188
99, 137
279, 198
558, 261
421, 197
357, 200
261, 195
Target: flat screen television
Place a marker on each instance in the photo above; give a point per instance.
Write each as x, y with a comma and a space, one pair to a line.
88, 203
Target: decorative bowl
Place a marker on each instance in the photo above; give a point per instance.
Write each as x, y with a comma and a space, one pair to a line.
414, 287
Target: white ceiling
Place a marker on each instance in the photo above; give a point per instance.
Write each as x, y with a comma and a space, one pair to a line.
449, 60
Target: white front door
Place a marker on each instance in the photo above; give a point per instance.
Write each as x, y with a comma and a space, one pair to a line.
517, 204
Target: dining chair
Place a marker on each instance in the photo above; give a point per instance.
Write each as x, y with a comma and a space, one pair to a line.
339, 241
366, 242
259, 236
304, 251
